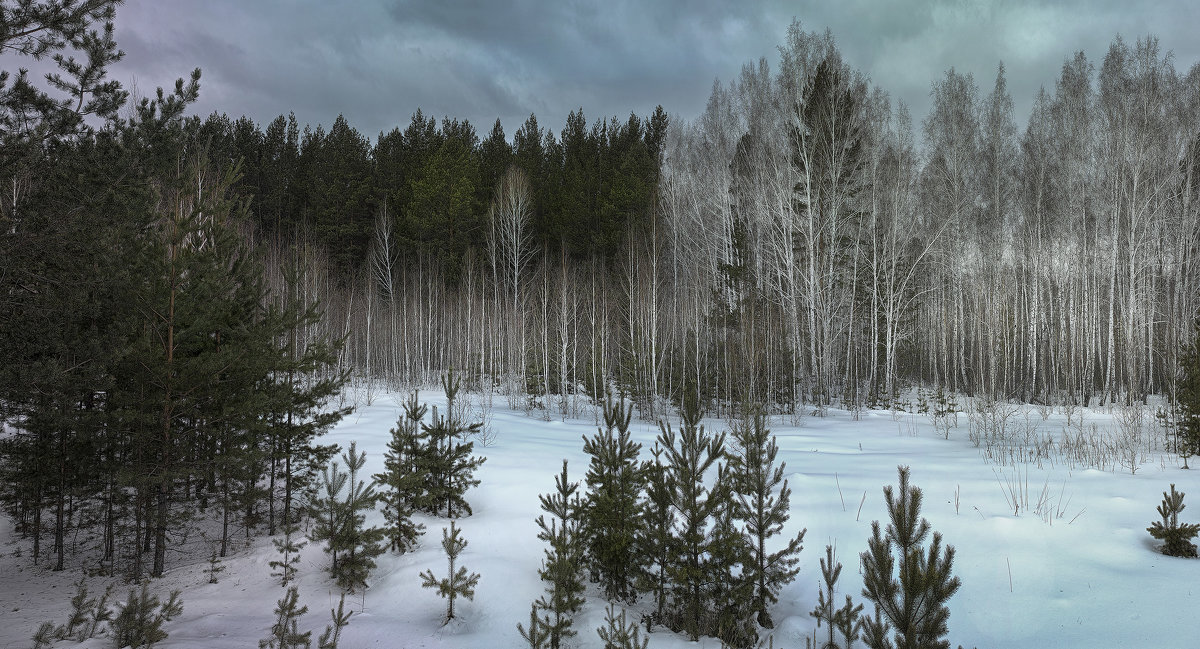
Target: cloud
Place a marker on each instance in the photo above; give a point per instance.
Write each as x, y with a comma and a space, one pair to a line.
378, 61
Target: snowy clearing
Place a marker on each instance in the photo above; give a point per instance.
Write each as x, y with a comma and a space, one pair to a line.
1073, 567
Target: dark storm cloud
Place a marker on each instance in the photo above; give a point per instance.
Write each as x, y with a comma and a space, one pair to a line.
377, 62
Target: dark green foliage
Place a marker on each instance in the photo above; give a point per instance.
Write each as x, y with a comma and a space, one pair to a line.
908, 586
62, 31
449, 465
405, 476
340, 520
1176, 537
562, 566
619, 633
333, 632
458, 582
612, 514
654, 541
730, 591
844, 620
761, 501
1187, 401
140, 623
703, 545
285, 633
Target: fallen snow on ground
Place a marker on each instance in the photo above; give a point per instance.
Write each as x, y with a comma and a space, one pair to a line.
1074, 567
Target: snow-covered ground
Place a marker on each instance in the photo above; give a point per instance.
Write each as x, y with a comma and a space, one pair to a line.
1074, 567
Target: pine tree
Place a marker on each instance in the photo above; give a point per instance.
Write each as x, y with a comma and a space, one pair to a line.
404, 477
289, 548
340, 521
617, 633
730, 591
654, 541
333, 632
755, 481
691, 573
140, 622
1187, 397
611, 512
458, 582
538, 633
285, 633
450, 465
909, 596
562, 565
844, 620
214, 567
1177, 537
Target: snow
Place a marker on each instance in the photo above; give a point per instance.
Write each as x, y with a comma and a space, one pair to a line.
1080, 570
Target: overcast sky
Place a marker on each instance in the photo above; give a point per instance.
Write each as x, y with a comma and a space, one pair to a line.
377, 61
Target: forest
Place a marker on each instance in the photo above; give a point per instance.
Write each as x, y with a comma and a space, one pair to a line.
184, 298
800, 242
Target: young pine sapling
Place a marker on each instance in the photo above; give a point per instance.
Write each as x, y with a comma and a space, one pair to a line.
458, 582
1177, 537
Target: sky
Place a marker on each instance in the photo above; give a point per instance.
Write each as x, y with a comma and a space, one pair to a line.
377, 61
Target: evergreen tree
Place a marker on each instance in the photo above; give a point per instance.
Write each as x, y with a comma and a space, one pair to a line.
562, 565
617, 633
333, 632
140, 622
289, 548
458, 582
405, 476
1187, 397
1177, 537
285, 633
654, 540
612, 514
762, 502
538, 633
340, 521
449, 463
691, 570
729, 591
910, 593
845, 619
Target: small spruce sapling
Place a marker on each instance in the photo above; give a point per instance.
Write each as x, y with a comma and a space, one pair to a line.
458, 583
1176, 537
285, 633
909, 597
618, 633
140, 622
